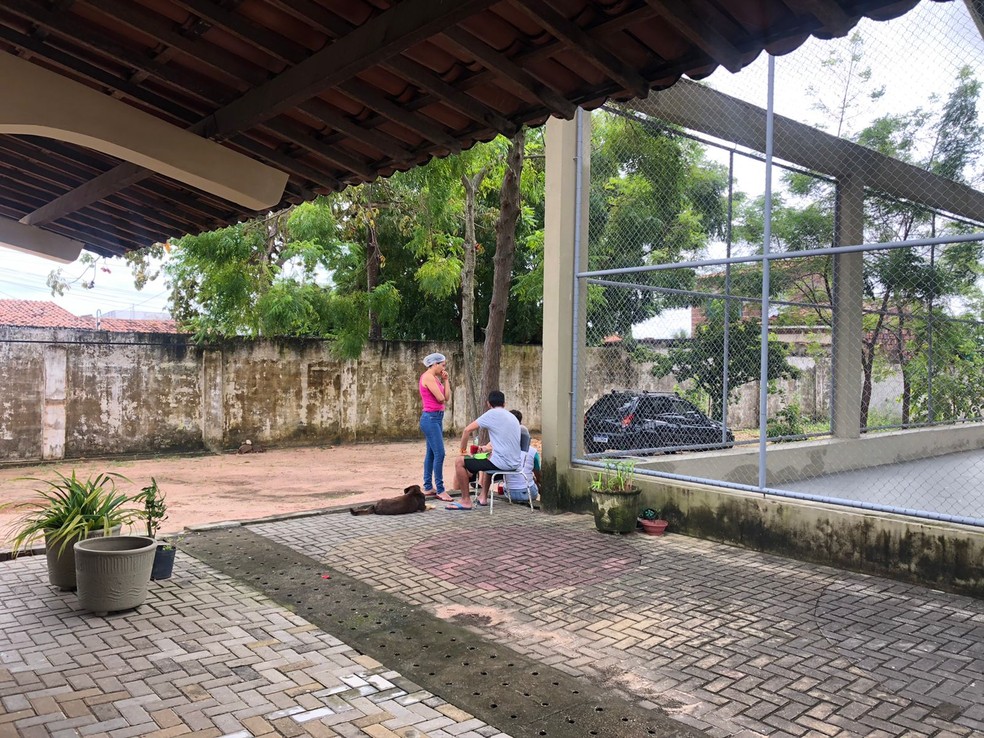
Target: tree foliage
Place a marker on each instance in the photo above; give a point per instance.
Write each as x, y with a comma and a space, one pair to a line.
653, 199
701, 359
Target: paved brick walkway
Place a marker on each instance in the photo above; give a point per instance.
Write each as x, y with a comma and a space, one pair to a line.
205, 656
730, 641
725, 640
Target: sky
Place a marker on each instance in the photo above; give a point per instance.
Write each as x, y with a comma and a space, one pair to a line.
913, 56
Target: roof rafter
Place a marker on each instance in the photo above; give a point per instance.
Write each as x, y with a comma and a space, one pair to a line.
703, 34
502, 66
581, 42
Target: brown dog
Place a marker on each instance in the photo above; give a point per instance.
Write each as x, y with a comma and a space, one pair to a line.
411, 501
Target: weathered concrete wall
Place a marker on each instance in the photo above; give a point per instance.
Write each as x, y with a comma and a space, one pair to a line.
937, 554
74, 393
793, 462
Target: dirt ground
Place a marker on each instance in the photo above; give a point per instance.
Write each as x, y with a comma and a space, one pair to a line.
217, 488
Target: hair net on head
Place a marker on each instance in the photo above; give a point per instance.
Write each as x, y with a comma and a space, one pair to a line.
432, 359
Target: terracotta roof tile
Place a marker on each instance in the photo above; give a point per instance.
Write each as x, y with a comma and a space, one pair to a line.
38, 314
46, 314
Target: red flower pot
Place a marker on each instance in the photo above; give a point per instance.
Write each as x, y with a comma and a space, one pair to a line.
653, 527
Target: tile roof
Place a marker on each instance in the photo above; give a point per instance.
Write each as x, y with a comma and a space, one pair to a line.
46, 314
338, 92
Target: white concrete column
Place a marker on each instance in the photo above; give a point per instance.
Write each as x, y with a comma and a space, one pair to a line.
563, 160
213, 403
53, 407
848, 330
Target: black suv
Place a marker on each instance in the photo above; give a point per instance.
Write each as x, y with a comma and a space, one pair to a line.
650, 422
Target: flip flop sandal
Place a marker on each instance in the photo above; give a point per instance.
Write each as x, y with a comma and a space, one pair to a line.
456, 506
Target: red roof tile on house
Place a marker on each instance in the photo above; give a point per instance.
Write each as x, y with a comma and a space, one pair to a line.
38, 314
45, 314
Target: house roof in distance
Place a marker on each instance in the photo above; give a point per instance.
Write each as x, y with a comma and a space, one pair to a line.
46, 314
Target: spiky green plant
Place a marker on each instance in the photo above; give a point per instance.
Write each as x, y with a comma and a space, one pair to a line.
68, 509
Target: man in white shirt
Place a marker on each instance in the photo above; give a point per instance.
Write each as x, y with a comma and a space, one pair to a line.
504, 446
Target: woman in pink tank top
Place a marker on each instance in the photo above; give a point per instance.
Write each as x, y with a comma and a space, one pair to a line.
433, 386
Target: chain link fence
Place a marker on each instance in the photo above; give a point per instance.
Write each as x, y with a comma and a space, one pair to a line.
792, 303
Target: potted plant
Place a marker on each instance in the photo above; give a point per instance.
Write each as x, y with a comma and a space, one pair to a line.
614, 497
66, 511
155, 513
652, 522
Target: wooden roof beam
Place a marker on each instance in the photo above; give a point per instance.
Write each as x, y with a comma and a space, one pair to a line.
679, 15
582, 43
401, 116
501, 65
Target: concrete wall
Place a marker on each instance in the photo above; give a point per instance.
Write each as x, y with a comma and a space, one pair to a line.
808, 459
937, 554
71, 393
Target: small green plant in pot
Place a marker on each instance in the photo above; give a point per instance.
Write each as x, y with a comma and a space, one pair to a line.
615, 498
68, 510
155, 513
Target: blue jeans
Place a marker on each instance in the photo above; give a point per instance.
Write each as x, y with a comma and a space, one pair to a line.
432, 425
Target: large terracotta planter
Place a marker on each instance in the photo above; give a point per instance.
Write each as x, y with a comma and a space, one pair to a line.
616, 511
113, 573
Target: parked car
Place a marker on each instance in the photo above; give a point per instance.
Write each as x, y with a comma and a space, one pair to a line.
650, 422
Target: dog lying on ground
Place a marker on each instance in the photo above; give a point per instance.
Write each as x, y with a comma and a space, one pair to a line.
411, 501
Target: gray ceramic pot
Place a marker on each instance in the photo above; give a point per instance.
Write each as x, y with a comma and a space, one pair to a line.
61, 560
113, 573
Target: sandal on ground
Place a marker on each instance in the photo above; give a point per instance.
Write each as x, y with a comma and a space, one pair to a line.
456, 506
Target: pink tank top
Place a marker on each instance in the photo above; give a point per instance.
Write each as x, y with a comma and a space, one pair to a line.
431, 404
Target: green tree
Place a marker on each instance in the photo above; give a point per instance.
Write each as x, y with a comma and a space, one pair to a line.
700, 359
653, 199
276, 277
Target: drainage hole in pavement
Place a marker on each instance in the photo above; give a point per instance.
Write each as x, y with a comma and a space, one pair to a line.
493, 705
484, 673
599, 709
535, 673
464, 663
471, 648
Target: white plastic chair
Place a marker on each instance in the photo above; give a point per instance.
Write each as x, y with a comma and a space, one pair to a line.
501, 473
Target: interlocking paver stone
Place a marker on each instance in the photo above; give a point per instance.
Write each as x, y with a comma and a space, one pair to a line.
207, 661
732, 642
724, 639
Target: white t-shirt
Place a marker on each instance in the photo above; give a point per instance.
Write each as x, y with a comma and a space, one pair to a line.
516, 483
503, 431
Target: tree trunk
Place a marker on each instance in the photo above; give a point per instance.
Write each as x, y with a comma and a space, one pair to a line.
868, 360
505, 250
373, 265
468, 292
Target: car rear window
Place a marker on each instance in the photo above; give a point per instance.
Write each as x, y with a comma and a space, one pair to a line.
612, 406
